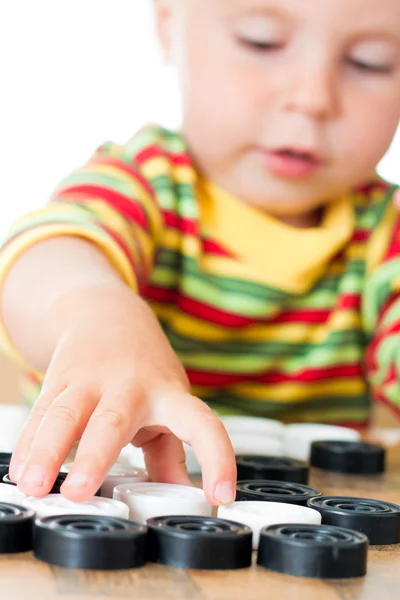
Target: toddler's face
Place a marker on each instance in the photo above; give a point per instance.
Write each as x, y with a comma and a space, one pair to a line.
286, 102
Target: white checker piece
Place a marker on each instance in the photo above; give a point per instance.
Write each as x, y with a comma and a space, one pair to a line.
263, 514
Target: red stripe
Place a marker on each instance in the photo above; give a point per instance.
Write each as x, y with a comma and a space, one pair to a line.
131, 170
155, 151
228, 319
368, 188
307, 315
129, 208
349, 302
394, 247
211, 314
194, 308
210, 247
182, 224
121, 243
372, 350
310, 375
391, 375
161, 295
361, 235
381, 398
388, 304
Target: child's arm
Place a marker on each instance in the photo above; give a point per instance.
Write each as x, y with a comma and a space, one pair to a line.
112, 376
69, 276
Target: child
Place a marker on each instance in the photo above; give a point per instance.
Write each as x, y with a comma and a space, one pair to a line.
253, 256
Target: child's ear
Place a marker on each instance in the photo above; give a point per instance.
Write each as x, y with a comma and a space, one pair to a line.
163, 19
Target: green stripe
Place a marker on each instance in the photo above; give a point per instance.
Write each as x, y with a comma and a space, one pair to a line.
176, 197
388, 352
392, 392
242, 364
75, 214
378, 288
278, 348
108, 182
355, 407
348, 282
391, 316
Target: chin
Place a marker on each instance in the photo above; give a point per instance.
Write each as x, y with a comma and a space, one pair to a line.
287, 207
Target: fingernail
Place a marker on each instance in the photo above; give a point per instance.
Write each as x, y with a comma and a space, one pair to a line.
34, 477
17, 471
77, 479
224, 493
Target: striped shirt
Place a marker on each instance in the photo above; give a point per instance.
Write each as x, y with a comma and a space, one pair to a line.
268, 320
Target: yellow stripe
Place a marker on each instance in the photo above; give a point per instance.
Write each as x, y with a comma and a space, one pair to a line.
291, 393
113, 219
158, 166
186, 244
106, 214
328, 414
356, 251
146, 242
190, 326
395, 284
342, 320
137, 191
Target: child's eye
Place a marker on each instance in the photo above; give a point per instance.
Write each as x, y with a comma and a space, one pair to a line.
259, 45
369, 67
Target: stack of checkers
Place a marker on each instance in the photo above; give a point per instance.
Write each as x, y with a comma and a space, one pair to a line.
296, 529
291, 525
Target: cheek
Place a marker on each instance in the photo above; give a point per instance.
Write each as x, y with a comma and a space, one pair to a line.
218, 94
369, 129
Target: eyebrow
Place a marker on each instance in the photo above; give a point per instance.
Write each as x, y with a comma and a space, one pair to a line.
238, 7
234, 8
380, 34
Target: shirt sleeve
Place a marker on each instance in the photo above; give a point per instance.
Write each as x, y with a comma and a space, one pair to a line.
107, 201
381, 309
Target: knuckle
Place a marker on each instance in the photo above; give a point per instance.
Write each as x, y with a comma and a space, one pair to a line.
210, 421
45, 456
37, 413
66, 413
113, 417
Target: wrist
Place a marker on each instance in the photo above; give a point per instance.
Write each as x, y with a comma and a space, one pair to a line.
88, 303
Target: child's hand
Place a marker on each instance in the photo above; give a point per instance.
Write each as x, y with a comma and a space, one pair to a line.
114, 379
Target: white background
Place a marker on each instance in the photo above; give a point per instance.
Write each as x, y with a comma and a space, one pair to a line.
74, 73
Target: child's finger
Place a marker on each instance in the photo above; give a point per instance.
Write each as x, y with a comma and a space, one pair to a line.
58, 429
28, 433
109, 428
165, 460
192, 421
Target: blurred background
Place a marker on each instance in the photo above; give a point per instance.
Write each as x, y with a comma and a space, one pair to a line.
74, 73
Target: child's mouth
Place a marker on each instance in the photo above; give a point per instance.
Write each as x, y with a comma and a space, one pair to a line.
291, 163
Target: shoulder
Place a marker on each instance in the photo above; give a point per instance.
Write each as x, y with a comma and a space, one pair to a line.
151, 144
372, 200
159, 160
379, 218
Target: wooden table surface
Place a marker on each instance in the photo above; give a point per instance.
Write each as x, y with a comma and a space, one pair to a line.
23, 577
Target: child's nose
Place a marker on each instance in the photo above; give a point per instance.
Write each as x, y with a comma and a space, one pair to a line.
313, 91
